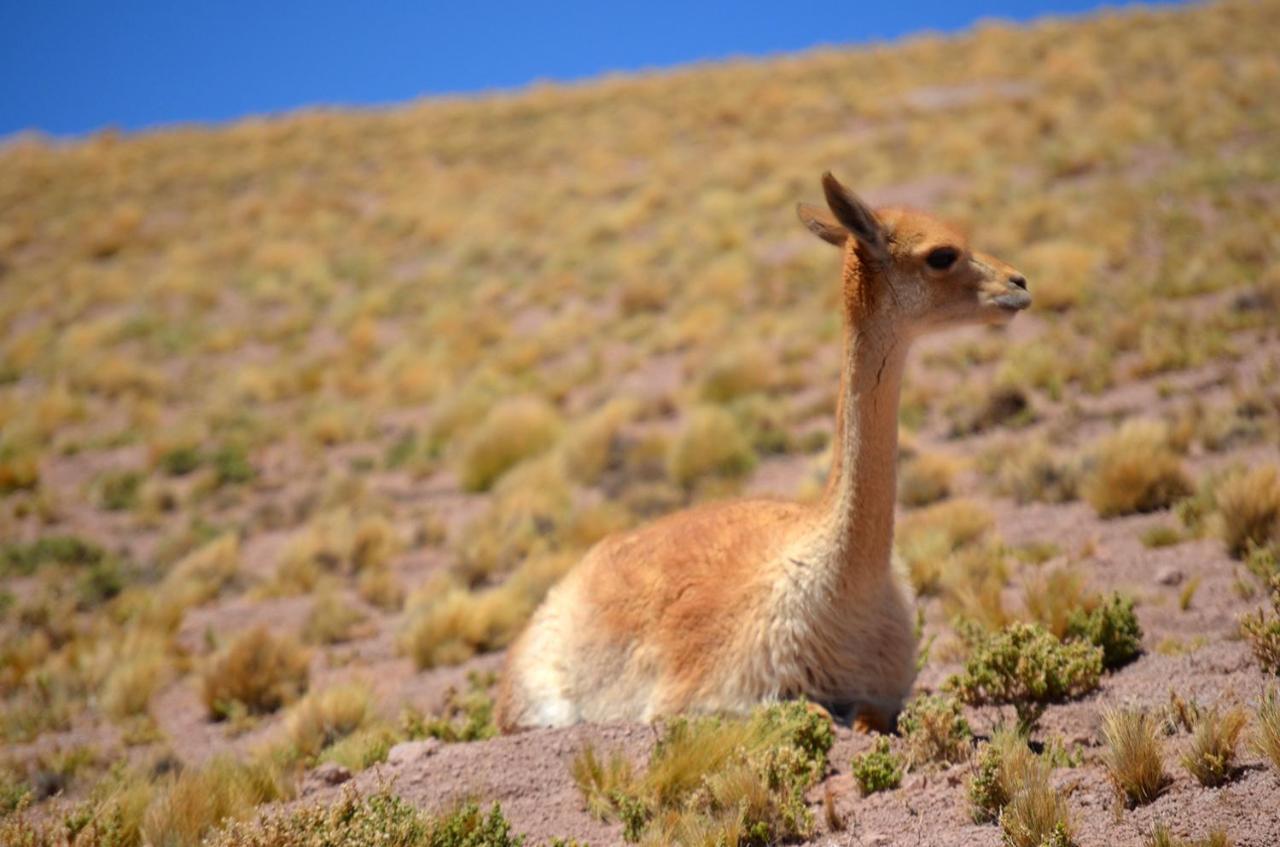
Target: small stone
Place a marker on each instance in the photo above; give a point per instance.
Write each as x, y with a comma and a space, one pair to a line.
410, 751
331, 773
1168, 575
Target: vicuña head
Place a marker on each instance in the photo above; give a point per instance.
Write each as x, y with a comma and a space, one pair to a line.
731, 604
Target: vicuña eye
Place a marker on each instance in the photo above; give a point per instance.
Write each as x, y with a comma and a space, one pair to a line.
942, 258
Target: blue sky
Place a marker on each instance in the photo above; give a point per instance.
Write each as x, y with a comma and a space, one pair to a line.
72, 67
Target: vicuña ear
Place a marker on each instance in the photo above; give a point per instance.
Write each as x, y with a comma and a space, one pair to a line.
820, 223
856, 217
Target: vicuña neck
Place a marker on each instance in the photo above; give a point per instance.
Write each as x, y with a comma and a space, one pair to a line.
856, 510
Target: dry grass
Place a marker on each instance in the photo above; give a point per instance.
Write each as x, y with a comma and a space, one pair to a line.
1133, 757
188, 806
926, 479
1036, 473
1249, 503
1135, 470
257, 672
1211, 754
1266, 733
1162, 837
513, 431
1002, 766
711, 444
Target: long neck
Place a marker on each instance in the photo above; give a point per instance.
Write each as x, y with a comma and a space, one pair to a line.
856, 509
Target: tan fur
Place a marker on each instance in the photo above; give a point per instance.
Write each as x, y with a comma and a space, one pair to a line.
728, 605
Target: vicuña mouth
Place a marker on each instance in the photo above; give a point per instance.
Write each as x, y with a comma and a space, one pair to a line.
1014, 301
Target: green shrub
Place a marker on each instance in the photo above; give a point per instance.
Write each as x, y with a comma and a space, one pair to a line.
231, 465
878, 769
118, 490
381, 818
1262, 630
1111, 626
1024, 666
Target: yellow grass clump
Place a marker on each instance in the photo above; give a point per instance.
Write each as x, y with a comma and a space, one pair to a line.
514, 430
1249, 503
257, 672
1135, 470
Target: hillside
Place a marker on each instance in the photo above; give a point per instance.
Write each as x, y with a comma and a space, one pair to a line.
301, 416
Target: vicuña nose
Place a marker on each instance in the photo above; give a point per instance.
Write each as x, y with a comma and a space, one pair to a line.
1019, 280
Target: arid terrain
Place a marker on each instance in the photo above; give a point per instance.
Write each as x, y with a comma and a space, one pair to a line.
301, 416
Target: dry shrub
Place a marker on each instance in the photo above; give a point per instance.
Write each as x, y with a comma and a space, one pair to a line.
1061, 271
187, 807
925, 539
514, 430
258, 672
1135, 470
1035, 473
1249, 503
737, 372
448, 624
593, 446
711, 444
142, 667
322, 718
1133, 758
332, 619
1037, 815
926, 479
1211, 755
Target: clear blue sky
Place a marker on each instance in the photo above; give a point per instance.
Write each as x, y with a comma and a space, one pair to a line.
72, 67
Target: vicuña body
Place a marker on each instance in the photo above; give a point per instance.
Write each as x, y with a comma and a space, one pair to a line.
725, 606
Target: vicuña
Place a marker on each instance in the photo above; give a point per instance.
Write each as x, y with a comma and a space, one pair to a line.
732, 604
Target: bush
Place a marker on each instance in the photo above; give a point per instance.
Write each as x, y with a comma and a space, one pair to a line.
1003, 765
324, 718
467, 715
925, 479
1211, 755
710, 444
331, 620
1111, 626
118, 490
934, 729
1035, 473
879, 769
258, 672
1133, 758
1026, 667
191, 804
1262, 630
381, 818
1249, 503
1135, 470
716, 780
514, 430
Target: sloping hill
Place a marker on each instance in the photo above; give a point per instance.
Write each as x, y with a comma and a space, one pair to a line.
325, 402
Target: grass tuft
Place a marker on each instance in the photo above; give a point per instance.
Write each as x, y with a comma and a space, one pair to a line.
1249, 503
1211, 755
258, 672
1133, 757
1135, 470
